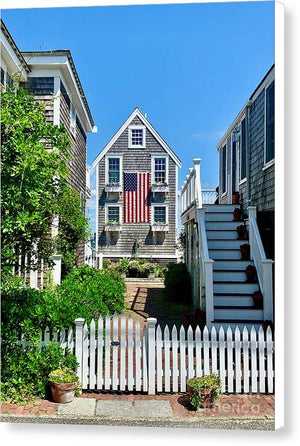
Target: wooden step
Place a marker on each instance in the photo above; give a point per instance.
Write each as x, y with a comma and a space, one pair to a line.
230, 300
229, 276
225, 244
231, 254
220, 207
219, 216
222, 225
231, 264
235, 287
217, 234
238, 313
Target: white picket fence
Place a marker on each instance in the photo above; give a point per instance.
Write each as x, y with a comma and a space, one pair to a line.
118, 354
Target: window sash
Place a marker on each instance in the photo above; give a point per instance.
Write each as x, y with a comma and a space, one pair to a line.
224, 169
270, 128
114, 170
243, 149
113, 213
160, 168
160, 214
137, 137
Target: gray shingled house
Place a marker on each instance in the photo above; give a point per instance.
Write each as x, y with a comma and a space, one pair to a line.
53, 79
247, 159
137, 184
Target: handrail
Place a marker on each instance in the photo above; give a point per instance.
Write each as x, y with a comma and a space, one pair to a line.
262, 264
191, 188
206, 269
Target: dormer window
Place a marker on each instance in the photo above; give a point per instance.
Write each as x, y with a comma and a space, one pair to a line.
137, 134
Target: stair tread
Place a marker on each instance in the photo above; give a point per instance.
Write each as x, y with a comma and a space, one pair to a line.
237, 281
235, 307
232, 294
239, 321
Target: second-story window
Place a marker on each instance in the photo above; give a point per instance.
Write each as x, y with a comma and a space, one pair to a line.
73, 119
223, 171
160, 170
113, 170
270, 133
243, 149
2, 77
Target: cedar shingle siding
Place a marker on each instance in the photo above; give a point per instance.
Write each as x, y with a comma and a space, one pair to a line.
137, 160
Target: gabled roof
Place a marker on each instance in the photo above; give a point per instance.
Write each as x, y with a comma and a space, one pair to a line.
14, 47
139, 114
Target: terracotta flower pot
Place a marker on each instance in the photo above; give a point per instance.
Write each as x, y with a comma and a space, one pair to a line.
241, 230
237, 214
251, 273
63, 393
206, 396
257, 299
235, 197
245, 251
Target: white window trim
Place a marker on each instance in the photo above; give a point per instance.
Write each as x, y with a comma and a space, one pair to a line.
153, 157
267, 163
226, 179
136, 127
242, 180
121, 167
159, 205
111, 205
72, 122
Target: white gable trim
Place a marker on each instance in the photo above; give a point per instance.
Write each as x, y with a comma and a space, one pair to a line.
139, 114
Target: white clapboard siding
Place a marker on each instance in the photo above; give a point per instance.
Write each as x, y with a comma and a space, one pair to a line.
116, 353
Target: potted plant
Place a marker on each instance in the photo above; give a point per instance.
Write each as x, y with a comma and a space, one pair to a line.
204, 390
241, 230
63, 383
235, 197
237, 214
245, 251
257, 299
251, 273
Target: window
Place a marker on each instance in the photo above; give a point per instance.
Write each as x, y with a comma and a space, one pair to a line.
2, 77
113, 214
243, 149
72, 119
270, 134
223, 161
137, 137
160, 214
9, 81
113, 170
160, 170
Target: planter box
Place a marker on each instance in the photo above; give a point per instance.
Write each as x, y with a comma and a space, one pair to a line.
113, 228
160, 228
158, 188
111, 188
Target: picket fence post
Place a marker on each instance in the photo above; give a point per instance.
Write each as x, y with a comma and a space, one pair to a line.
151, 322
79, 323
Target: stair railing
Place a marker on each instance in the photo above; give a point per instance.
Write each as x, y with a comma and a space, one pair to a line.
206, 268
264, 266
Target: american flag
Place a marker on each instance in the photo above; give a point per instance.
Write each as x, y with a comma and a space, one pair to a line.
136, 197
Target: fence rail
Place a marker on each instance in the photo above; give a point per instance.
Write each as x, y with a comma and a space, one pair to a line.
119, 354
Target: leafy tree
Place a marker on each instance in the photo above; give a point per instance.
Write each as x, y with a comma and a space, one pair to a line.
34, 184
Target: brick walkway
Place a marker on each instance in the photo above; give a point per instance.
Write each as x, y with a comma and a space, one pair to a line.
145, 300
228, 406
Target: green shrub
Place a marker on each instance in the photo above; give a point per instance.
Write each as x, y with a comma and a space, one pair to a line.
25, 370
89, 293
178, 283
62, 376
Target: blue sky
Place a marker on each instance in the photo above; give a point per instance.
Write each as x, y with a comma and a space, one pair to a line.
190, 67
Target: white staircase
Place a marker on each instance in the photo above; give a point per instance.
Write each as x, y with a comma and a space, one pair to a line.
232, 294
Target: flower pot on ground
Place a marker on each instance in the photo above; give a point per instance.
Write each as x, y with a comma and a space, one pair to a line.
257, 299
245, 251
63, 384
237, 214
241, 230
204, 390
235, 197
251, 273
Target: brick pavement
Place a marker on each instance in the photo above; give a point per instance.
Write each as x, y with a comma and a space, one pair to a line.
228, 406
